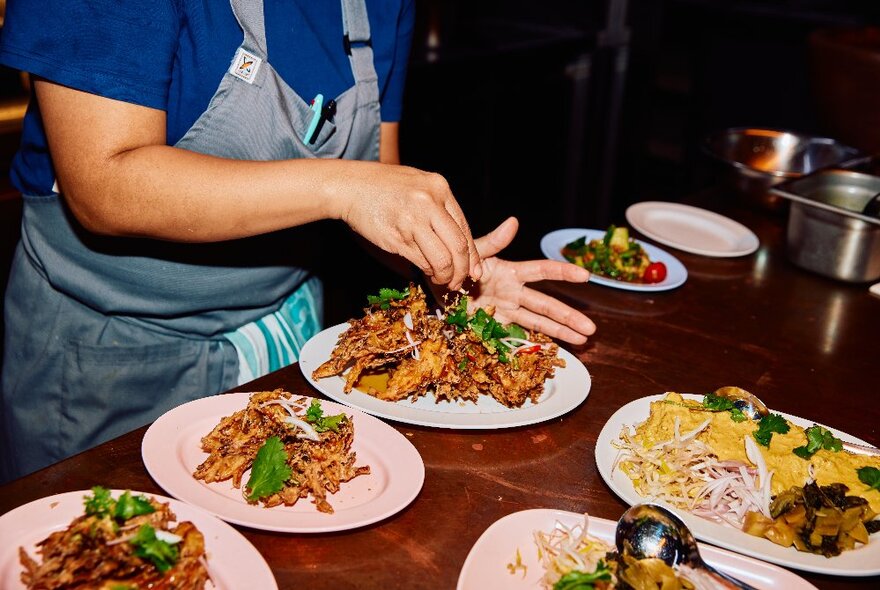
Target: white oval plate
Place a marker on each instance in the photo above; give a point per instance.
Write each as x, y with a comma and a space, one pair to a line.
171, 451
565, 391
692, 229
864, 561
232, 561
486, 564
676, 274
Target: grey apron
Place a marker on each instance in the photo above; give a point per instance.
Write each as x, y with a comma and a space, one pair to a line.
105, 334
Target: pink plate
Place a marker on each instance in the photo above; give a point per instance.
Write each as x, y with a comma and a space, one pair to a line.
171, 451
232, 561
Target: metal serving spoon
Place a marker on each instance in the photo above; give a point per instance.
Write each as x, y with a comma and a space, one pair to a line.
754, 408
648, 530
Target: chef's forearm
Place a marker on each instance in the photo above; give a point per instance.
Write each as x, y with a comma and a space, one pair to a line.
119, 177
173, 194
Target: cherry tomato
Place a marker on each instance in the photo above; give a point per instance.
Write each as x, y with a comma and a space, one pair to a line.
655, 272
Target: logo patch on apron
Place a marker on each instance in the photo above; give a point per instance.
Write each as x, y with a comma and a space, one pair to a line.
245, 65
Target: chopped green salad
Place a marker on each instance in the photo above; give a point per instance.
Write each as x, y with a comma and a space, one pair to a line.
616, 256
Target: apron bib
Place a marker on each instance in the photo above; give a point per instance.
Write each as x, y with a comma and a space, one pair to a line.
105, 334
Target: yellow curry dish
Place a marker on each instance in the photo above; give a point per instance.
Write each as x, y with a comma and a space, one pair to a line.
769, 477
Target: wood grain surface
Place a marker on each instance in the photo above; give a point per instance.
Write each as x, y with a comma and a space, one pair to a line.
807, 345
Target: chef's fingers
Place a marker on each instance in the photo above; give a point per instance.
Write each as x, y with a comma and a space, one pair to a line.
440, 260
475, 269
458, 247
498, 239
414, 255
541, 323
544, 305
532, 271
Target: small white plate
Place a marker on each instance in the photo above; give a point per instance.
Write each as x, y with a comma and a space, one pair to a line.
172, 450
232, 561
564, 392
486, 564
676, 274
863, 561
692, 229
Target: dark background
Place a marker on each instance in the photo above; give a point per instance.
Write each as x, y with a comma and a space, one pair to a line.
547, 111
565, 112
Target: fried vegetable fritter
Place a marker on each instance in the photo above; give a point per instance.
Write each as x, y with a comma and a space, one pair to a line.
318, 466
457, 360
94, 552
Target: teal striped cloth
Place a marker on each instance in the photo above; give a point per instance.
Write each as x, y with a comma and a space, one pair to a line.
274, 341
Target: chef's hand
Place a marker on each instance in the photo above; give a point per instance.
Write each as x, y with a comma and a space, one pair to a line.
412, 213
503, 285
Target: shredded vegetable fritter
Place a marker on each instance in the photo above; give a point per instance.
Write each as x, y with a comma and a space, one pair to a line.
293, 451
456, 354
131, 542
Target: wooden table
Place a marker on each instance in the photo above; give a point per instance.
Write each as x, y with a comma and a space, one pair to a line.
806, 344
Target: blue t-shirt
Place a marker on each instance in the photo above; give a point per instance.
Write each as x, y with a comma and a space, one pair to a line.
172, 54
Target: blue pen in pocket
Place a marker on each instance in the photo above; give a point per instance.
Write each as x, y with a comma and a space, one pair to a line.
317, 110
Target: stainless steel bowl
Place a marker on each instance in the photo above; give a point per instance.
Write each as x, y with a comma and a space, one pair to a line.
827, 231
757, 159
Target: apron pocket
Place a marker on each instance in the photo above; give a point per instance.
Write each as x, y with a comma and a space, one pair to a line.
99, 399
339, 131
326, 131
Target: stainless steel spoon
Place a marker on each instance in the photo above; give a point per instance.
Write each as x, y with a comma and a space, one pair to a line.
754, 408
648, 530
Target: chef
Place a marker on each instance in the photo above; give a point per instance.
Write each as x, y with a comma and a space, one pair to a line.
173, 154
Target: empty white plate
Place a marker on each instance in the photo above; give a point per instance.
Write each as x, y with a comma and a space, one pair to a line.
692, 229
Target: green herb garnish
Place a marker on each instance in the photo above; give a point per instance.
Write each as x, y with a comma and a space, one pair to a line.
458, 317
163, 555
716, 403
870, 476
100, 503
487, 328
818, 438
386, 296
767, 426
315, 415
128, 506
269, 471
583, 581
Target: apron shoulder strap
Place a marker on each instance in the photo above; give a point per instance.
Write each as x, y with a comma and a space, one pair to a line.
250, 17
357, 43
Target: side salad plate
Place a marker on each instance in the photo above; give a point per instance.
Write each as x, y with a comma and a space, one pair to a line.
676, 274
